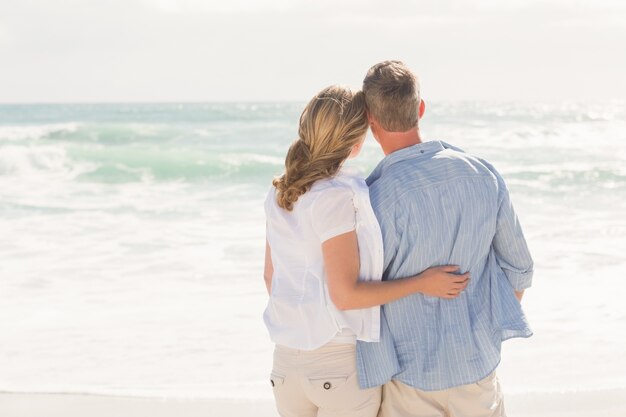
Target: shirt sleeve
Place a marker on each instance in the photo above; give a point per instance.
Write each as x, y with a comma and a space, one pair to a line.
333, 213
271, 196
509, 243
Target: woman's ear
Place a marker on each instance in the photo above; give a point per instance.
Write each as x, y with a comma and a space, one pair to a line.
356, 149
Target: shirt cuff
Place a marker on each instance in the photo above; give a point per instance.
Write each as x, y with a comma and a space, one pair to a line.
520, 280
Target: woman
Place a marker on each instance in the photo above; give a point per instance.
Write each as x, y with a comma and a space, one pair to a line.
323, 266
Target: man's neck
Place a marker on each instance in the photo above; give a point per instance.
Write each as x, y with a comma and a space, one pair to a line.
394, 141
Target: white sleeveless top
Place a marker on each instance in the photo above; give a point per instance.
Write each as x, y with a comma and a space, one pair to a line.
300, 313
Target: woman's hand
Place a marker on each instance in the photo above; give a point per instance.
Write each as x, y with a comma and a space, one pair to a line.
442, 282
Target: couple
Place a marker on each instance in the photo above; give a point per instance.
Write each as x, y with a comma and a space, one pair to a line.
431, 236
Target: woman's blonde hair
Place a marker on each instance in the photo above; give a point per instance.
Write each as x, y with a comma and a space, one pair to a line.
331, 124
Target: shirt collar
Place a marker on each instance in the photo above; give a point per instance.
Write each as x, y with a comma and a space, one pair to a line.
414, 151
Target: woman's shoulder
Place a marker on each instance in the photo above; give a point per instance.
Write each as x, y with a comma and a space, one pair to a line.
329, 189
323, 193
344, 179
342, 187
331, 185
353, 180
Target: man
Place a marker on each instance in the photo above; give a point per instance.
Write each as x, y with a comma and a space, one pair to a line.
437, 205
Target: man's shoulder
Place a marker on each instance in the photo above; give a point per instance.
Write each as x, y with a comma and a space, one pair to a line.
441, 166
446, 145
412, 176
475, 166
457, 155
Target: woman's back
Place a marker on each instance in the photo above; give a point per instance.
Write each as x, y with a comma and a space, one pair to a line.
300, 313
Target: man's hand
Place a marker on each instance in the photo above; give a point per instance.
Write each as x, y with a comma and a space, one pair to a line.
442, 282
519, 295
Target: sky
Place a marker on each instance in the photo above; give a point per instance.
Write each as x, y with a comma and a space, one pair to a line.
284, 50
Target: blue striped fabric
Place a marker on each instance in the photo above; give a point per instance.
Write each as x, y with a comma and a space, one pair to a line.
437, 205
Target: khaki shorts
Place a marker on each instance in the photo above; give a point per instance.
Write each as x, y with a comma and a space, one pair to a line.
481, 399
321, 383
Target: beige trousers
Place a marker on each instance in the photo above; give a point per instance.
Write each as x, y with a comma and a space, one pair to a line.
321, 383
481, 399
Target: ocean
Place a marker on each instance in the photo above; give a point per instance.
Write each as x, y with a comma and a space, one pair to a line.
132, 238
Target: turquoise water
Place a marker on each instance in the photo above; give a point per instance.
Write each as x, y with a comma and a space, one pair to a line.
132, 235
126, 143
231, 143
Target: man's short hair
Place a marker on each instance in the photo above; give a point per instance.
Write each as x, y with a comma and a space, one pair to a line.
392, 96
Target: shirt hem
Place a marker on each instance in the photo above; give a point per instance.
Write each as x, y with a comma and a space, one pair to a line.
339, 230
454, 385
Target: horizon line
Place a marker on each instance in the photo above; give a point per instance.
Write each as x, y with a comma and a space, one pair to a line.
295, 101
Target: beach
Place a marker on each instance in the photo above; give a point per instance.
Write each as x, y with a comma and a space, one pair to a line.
72, 405
132, 247
610, 403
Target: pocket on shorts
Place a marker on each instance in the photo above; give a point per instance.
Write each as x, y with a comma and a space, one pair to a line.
328, 383
330, 392
276, 380
341, 394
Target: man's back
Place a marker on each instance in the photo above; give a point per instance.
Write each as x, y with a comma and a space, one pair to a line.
437, 206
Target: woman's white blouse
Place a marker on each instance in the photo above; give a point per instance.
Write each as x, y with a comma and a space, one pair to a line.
300, 313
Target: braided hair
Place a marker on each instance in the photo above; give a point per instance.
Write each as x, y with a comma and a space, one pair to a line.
331, 124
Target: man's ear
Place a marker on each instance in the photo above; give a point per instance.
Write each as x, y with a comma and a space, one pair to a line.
422, 108
373, 123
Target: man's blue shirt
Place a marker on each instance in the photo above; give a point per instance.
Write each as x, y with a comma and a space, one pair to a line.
437, 205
